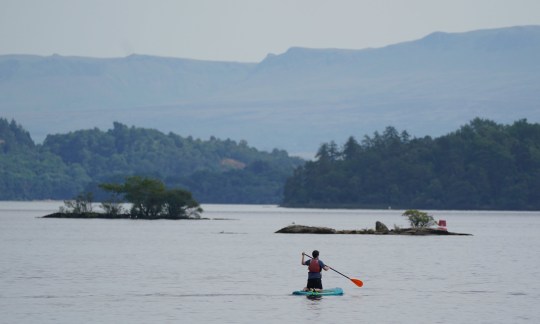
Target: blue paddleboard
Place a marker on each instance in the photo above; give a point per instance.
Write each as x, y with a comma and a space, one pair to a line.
324, 292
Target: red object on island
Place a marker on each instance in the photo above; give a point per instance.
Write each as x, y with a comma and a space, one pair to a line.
442, 225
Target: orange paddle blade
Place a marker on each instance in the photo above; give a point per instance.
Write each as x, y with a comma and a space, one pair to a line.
357, 282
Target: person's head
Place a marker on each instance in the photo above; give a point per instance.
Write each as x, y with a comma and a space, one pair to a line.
315, 254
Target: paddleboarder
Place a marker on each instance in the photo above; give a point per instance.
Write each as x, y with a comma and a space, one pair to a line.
315, 266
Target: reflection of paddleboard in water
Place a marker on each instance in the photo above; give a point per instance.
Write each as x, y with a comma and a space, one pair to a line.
324, 292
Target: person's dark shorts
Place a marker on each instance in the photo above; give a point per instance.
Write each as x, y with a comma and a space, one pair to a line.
314, 283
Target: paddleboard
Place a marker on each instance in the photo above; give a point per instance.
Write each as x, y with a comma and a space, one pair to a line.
324, 292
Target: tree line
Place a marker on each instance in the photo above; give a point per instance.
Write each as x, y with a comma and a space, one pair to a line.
65, 165
483, 165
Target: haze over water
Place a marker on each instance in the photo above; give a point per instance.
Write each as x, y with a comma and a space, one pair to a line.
239, 271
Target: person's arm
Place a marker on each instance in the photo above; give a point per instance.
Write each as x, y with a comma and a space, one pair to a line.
325, 267
303, 258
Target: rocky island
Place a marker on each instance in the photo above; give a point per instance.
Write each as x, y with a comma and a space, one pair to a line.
380, 229
149, 199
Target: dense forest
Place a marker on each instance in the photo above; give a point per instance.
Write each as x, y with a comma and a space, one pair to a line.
214, 170
483, 165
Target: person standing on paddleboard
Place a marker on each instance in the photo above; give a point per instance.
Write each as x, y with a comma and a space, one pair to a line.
315, 266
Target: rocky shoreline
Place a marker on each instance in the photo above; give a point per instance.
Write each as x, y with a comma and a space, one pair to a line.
380, 229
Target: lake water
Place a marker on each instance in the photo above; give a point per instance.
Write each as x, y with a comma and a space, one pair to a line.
240, 271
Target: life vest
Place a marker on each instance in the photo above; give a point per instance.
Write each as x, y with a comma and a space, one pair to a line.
314, 266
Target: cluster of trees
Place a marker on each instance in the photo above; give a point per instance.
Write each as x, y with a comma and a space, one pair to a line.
483, 165
419, 219
65, 165
149, 199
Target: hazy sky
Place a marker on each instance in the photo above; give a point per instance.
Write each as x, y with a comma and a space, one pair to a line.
239, 30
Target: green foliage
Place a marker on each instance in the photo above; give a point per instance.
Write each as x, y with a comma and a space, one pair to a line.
32, 174
150, 199
180, 204
112, 208
258, 183
82, 204
200, 166
13, 138
113, 205
419, 219
126, 151
483, 165
215, 170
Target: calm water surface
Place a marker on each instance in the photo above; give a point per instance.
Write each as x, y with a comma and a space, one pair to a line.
239, 271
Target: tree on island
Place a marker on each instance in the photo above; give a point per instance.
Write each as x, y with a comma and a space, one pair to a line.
150, 199
419, 219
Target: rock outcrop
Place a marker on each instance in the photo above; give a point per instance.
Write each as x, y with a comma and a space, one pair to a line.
301, 229
381, 228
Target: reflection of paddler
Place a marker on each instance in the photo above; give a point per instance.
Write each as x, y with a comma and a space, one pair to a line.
315, 266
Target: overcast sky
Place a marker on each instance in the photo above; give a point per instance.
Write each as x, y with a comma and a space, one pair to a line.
239, 30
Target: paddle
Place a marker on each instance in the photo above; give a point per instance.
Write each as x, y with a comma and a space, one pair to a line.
357, 282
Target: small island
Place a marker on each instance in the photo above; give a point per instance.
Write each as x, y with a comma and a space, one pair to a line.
112, 216
302, 229
149, 199
421, 224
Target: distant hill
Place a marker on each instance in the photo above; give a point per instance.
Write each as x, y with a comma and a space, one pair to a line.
293, 101
65, 165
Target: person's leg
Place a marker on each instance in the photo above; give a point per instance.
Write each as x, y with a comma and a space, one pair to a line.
311, 284
317, 284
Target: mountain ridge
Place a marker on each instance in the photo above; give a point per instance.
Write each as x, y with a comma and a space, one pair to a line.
429, 86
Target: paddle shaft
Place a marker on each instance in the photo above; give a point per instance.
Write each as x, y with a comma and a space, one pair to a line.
331, 268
